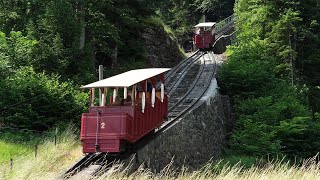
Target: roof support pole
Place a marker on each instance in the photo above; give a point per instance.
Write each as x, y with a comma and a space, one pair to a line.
125, 93
153, 96
143, 105
133, 94
103, 96
92, 97
115, 92
153, 92
162, 86
162, 92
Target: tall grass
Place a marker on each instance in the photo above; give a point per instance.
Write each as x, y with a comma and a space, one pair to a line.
52, 160
15, 143
273, 170
11, 150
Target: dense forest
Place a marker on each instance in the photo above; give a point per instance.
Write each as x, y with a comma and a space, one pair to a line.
273, 77
48, 48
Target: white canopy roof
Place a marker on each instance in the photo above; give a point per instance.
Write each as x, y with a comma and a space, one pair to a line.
128, 78
206, 24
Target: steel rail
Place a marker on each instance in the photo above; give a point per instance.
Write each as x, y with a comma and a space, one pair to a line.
84, 162
182, 74
173, 70
186, 110
195, 86
190, 88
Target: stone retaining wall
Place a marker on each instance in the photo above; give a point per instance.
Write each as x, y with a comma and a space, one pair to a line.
199, 137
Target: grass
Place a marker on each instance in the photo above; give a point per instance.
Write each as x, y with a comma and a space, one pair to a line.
15, 143
53, 160
273, 170
12, 150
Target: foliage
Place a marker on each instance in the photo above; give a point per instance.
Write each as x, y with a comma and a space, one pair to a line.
245, 162
272, 125
36, 101
44, 45
16, 51
272, 99
4, 62
72, 37
216, 9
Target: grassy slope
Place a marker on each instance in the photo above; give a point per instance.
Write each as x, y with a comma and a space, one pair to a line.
14, 143
12, 150
54, 160
50, 163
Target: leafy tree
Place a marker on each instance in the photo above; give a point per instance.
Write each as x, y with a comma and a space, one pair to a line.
4, 61
16, 50
265, 74
216, 10
36, 101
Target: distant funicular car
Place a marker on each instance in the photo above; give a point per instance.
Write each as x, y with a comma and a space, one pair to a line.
204, 36
137, 107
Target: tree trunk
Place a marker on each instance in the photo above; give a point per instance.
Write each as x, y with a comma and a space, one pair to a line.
115, 57
82, 26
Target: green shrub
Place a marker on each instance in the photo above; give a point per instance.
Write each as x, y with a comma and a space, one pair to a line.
247, 73
278, 124
37, 101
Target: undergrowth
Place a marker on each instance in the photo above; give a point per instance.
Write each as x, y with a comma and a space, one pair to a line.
51, 161
15, 143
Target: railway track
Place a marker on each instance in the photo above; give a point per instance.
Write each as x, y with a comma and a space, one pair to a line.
187, 83
175, 75
182, 105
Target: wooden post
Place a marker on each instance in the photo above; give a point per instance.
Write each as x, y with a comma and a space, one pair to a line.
36, 150
55, 137
11, 163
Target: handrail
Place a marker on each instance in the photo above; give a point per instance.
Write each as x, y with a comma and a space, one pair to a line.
222, 25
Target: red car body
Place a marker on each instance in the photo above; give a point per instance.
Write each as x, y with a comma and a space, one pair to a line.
204, 36
109, 128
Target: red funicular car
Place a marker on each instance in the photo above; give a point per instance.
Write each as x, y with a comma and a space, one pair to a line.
204, 36
135, 109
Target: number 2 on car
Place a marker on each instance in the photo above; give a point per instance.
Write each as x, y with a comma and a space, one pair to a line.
102, 125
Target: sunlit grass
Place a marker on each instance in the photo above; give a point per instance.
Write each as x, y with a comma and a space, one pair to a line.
273, 170
52, 160
15, 143
11, 150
